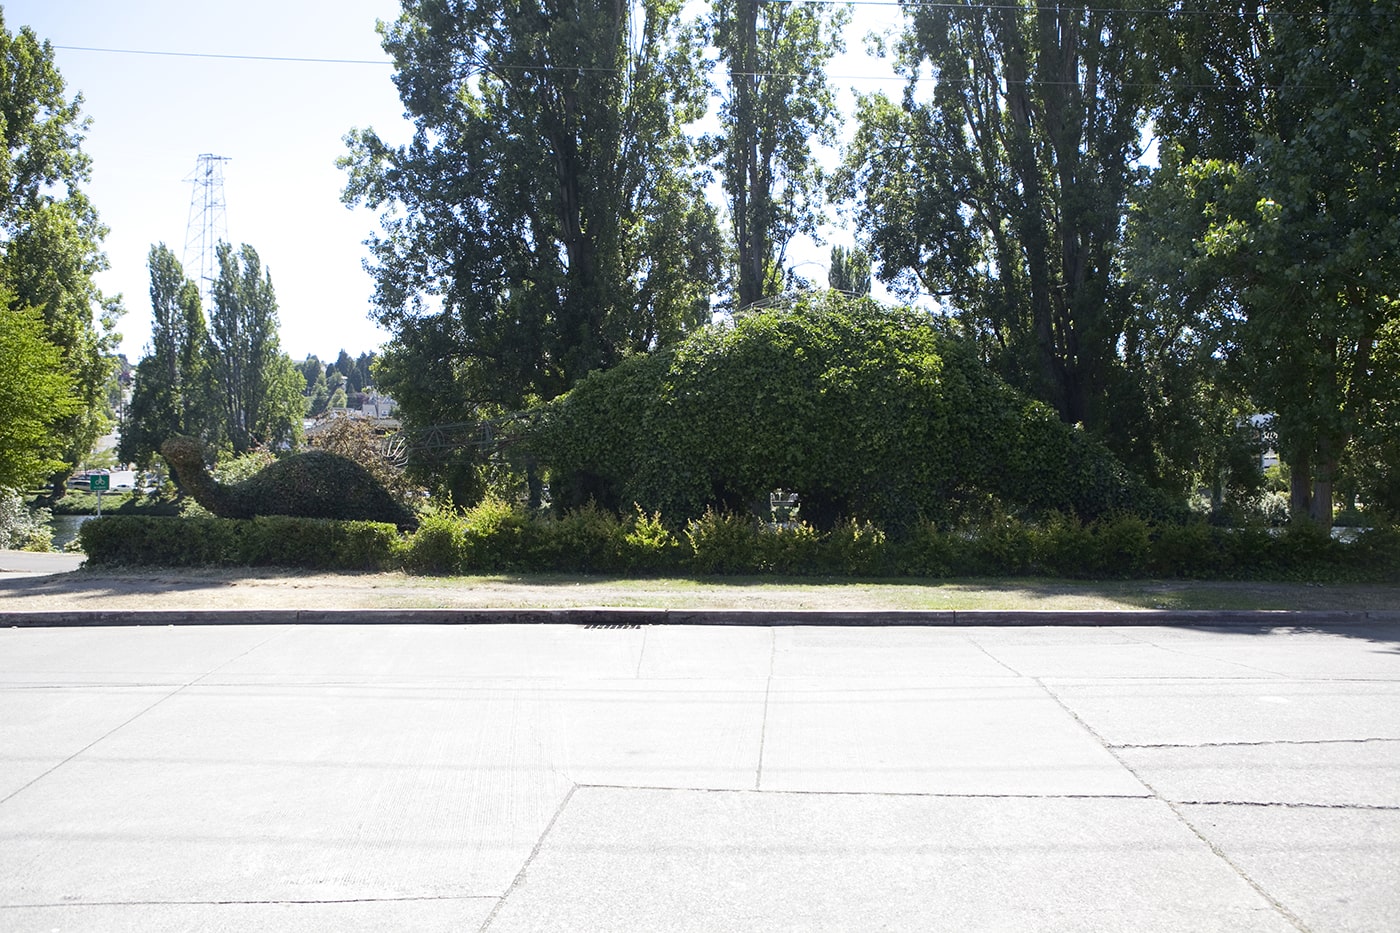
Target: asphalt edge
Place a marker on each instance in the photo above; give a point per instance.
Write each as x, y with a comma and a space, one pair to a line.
632, 617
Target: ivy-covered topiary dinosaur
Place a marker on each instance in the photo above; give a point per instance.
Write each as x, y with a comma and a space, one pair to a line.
314, 484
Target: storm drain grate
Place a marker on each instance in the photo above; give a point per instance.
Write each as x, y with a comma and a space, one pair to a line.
613, 625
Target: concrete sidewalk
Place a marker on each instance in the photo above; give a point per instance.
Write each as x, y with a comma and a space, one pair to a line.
562, 777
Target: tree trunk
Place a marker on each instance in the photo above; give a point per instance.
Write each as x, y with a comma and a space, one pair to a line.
1299, 489
1320, 509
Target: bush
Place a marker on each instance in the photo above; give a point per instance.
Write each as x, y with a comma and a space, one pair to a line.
650, 547
794, 549
723, 543
360, 545
496, 537
927, 551
437, 547
141, 541
22, 527
499, 536
588, 539
863, 410
1189, 550
854, 549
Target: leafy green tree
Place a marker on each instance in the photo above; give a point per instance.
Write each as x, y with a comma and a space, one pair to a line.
1290, 220
174, 388
364, 377
312, 369
259, 386
318, 396
1003, 191
50, 234
778, 105
548, 218
38, 394
849, 272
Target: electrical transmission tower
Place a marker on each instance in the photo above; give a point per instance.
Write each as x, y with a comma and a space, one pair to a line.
207, 226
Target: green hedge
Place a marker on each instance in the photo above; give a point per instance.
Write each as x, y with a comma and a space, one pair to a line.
496, 538
274, 540
863, 410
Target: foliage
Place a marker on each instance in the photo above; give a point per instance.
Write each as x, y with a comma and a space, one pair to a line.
275, 540
868, 413
21, 527
436, 547
314, 484
174, 384
260, 388
501, 538
36, 396
778, 105
1002, 191
355, 439
50, 236
547, 218
1285, 195
849, 271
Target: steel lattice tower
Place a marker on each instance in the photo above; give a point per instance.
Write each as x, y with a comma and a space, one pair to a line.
207, 226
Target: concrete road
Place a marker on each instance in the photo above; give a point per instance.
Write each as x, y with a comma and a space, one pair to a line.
562, 778
36, 563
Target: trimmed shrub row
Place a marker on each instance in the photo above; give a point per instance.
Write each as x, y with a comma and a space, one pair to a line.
496, 538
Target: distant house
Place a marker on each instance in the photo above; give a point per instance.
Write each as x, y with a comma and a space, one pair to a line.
378, 406
376, 410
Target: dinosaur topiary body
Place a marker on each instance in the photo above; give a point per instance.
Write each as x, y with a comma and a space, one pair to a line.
315, 484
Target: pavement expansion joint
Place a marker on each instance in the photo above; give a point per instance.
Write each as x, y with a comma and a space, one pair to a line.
651, 788
1176, 809
1259, 744
1287, 805
529, 860
255, 902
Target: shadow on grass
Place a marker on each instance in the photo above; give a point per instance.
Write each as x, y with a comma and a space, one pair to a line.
189, 588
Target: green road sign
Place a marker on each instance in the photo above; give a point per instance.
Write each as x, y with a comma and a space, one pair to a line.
99, 483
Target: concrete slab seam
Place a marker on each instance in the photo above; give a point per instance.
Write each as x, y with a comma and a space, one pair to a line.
936, 795
117, 728
1181, 816
529, 859
255, 903
1259, 744
1288, 805
767, 695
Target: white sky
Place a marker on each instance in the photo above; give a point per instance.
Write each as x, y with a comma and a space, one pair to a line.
281, 125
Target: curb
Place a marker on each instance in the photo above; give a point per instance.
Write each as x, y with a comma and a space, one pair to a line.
618, 618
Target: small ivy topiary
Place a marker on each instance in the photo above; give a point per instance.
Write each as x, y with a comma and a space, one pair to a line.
314, 484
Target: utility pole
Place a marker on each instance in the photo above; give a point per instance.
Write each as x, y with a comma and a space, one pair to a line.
207, 226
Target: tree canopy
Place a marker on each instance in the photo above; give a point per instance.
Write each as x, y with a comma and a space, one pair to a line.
50, 235
548, 217
38, 394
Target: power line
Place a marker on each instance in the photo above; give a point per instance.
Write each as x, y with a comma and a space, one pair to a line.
248, 58
947, 81
1133, 11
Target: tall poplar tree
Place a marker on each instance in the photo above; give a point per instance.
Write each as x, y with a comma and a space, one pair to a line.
174, 390
1000, 184
548, 217
777, 104
259, 387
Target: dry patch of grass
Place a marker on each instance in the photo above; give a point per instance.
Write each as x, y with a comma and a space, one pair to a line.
257, 589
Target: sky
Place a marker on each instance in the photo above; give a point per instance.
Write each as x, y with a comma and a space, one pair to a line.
281, 125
